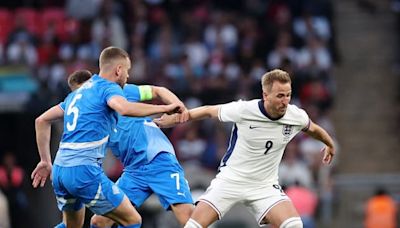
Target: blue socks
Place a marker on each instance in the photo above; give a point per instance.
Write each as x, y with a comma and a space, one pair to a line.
60, 225
131, 226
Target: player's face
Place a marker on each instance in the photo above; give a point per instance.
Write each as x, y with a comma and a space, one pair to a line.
278, 98
122, 72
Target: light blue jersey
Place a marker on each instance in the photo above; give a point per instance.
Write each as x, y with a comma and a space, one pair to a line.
78, 178
87, 123
150, 164
137, 140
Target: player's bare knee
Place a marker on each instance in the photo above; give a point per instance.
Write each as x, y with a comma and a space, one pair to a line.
99, 221
293, 222
182, 212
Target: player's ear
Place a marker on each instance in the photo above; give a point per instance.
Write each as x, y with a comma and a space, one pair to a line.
264, 95
118, 70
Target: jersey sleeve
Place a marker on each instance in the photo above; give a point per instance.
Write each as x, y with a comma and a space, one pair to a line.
231, 112
136, 93
62, 105
305, 120
112, 90
132, 92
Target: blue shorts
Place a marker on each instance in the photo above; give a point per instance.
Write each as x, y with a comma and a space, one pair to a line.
85, 185
163, 176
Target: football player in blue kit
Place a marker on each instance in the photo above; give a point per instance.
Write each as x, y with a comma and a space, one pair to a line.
88, 112
150, 164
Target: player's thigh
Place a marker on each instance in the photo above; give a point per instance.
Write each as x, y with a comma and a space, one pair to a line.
280, 213
265, 201
125, 213
182, 212
218, 199
74, 219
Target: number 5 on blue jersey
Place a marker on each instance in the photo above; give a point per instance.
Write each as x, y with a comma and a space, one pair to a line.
74, 111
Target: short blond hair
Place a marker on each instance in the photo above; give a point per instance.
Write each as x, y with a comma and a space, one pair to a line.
110, 54
274, 75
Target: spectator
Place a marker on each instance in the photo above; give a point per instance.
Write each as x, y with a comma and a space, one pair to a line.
11, 183
4, 215
293, 170
380, 210
305, 201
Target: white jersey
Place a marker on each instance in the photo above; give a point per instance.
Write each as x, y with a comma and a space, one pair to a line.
257, 141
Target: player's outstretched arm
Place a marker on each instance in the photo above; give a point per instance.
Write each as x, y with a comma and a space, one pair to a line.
202, 112
126, 108
43, 132
320, 134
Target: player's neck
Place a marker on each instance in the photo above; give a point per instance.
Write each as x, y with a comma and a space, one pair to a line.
271, 114
107, 75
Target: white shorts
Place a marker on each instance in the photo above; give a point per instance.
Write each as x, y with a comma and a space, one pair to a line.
221, 195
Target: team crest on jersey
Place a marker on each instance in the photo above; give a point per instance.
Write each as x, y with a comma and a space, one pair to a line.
287, 130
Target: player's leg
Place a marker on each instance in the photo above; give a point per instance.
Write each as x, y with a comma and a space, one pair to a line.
135, 188
167, 180
203, 215
125, 214
98, 221
283, 215
114, 204
102, 196
182, 212
72, 208
219, 198
278, 209
270, 205
74, 219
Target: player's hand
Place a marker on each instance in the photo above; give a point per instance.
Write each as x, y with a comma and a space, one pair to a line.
166, 121
329, 152
184, 113
40, 173
172, 108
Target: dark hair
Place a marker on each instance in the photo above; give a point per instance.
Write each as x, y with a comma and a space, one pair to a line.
111, 53
78, 78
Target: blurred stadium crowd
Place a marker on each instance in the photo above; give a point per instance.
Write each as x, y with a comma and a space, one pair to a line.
207, 52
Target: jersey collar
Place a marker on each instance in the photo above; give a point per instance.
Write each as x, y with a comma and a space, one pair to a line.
263, 111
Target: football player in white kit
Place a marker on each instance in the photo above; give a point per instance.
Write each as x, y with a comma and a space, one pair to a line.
248, 172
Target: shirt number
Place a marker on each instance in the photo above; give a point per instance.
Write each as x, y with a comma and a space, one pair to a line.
268, 146
74, 111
